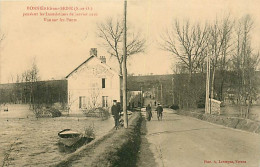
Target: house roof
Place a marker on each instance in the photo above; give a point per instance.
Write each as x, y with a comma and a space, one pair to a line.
104, 64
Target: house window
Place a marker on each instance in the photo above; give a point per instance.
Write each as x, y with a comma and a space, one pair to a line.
104, 101
82, 102
103, 82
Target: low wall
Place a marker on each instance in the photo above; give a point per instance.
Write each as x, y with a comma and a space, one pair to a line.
233, 122
215, 106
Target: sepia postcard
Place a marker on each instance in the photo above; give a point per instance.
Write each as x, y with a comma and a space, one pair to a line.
130, 83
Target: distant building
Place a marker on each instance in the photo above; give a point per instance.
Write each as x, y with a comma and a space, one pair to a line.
155, 88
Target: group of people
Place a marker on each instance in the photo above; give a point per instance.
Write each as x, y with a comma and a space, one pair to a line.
149, 114
116, 112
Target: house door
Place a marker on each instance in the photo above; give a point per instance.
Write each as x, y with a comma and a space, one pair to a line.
104, 101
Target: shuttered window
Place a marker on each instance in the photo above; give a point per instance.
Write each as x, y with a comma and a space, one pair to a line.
103, 82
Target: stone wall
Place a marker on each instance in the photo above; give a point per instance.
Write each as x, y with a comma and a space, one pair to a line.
215, 106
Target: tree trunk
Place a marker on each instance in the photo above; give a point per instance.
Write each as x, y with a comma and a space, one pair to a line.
221, 87
248, 109
179, 99
212, 83
190, 97
120, 68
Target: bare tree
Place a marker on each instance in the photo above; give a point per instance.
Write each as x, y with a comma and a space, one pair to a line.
226, 51
244, 65
111, 33
219, 47
187, 42
94, 101
31, 78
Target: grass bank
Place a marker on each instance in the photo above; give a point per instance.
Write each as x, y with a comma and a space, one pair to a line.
145, 155
232, 122
124, 148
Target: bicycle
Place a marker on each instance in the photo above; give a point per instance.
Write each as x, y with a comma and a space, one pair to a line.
159, 115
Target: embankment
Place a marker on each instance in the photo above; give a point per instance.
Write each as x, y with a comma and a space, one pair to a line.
232, 122
117, 148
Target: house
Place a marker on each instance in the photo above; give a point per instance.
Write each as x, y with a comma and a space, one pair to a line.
93, 84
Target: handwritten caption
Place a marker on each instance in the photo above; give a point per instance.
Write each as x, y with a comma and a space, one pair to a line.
59, 14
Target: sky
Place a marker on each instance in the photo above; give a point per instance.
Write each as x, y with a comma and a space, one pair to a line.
59, 47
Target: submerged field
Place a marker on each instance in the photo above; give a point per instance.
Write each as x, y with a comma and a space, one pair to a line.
31, 142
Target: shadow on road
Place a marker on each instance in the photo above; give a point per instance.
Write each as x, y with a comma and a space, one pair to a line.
177, 131
164, 120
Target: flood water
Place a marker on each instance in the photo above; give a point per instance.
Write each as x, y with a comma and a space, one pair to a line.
32, 142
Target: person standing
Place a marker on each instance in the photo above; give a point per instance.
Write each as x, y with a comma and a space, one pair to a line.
115, 110
119, 108
149, 112
159, 110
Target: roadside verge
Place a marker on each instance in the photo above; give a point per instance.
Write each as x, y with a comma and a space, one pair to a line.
232, 122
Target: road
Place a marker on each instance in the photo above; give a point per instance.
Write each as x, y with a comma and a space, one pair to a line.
179, 141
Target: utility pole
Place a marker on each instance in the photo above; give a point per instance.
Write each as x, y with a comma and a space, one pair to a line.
141, 96
125, 71
157, 93
153, 93
207, 106
161, 94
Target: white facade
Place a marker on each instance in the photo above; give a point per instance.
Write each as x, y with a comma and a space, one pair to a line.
92, 84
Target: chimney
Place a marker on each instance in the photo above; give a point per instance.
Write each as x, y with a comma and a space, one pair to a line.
103, 59
93, 52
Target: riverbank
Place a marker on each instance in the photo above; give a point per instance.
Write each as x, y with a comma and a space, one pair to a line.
116, 148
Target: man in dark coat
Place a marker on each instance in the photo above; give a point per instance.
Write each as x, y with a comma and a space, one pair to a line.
148, 112
115, 110
159, 110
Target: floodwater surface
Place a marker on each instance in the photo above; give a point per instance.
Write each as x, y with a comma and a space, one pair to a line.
32, 142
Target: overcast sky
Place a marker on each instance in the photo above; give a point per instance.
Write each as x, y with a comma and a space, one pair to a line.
59, 47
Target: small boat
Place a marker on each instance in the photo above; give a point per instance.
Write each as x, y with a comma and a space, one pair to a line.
69, 137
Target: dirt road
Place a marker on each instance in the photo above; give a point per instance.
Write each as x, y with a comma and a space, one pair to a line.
179, 141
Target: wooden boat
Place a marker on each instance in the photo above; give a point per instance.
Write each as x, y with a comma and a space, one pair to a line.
69, 137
